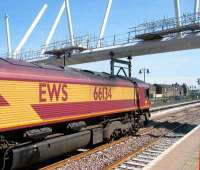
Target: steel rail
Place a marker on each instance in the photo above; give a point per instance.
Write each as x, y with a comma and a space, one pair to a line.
142, 149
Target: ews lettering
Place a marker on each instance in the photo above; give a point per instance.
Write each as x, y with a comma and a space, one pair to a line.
52, 92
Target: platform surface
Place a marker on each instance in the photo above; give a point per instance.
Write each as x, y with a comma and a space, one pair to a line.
193, 162
183, 156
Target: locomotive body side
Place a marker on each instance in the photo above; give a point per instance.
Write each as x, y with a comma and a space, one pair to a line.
33, 97
47, 112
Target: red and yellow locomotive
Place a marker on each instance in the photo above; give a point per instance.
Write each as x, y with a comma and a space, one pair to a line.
47, 111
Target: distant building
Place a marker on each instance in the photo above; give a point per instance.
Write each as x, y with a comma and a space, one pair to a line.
152, 91
165, 90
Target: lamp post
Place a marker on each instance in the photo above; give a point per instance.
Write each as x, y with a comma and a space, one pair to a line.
144, 71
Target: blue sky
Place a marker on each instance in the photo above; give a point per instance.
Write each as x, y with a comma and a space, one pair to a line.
87, 17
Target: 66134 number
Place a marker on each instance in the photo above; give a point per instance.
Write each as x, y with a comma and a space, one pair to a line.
102, 93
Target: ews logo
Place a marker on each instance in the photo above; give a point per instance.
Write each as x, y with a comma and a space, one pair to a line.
53, 92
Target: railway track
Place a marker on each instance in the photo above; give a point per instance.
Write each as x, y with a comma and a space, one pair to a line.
117, 154
144, 156
148, 154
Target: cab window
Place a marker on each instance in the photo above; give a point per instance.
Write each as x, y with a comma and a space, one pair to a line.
146, 91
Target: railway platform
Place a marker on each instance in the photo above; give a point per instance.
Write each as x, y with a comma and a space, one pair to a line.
184, 155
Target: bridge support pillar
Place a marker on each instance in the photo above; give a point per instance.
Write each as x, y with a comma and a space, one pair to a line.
178, 14
196, 6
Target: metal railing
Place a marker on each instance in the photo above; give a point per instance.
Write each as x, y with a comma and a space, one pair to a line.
91, 42
166, 24
25, 55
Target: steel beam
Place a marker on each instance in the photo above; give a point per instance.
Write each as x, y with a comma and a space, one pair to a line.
53, 29
30, 30
177, 12
8, 41
55, 24
137, 49
196, 6
134, 49
69, 19
178, 15
103, 27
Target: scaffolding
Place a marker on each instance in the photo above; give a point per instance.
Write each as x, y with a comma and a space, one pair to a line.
167, 27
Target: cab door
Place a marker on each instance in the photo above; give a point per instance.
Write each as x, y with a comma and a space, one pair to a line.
141, 97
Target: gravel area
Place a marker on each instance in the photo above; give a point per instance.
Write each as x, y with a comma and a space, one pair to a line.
102, 159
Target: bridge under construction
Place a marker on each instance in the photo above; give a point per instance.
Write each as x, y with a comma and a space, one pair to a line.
147, 38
